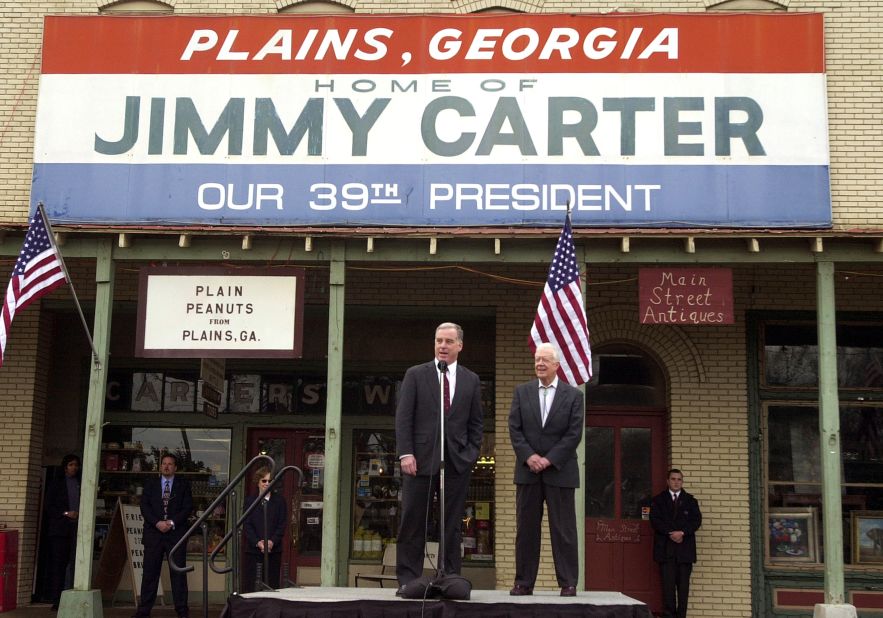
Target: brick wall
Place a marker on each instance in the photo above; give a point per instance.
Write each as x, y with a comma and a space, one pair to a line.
23, 408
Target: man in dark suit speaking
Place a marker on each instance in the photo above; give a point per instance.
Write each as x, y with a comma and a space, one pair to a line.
165, 505
417, 443
546, 427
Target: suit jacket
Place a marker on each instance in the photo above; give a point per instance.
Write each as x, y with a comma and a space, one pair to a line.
180, 506
666, 517
417, 422
557, 441
57, 503
277, 518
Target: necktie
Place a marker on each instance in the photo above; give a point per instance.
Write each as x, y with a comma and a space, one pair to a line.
166, 495
544, 390
447, 389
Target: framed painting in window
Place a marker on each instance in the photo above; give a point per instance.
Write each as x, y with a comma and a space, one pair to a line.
867, 537
791, 535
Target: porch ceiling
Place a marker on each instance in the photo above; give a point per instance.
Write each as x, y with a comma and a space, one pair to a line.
461, 245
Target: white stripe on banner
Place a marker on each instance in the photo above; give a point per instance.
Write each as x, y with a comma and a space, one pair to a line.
675, 119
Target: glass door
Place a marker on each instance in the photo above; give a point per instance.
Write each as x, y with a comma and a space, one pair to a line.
304, 448
625, 463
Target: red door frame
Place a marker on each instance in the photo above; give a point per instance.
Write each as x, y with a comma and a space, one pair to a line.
295, 440
633, 557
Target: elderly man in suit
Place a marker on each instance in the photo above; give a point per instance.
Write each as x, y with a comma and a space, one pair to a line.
417, 441
675, 517
166, 504
546, 427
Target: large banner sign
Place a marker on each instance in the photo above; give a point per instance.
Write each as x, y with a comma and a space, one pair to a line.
636, 120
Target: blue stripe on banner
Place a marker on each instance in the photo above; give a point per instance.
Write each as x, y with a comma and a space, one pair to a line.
436, 195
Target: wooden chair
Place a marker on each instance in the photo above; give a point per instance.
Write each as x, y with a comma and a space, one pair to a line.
387, 570
388, 565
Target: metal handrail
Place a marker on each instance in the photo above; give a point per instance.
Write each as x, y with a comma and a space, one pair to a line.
282, 472
201, 523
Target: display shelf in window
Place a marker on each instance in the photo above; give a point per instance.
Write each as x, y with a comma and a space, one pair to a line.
478, 520
377, 499
130, 455
376, 493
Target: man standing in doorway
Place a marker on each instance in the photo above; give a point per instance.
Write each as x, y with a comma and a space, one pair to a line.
165, 505
546, 426
417, 441
675, 517
62, 512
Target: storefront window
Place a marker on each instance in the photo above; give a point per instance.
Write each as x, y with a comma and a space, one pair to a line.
792, 445
623, 375
377, 499
600, 499
794, 477
377, 493
129, 455
791, 356
637, 481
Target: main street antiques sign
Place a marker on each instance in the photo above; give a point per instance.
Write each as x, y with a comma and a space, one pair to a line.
198, 312
686, 295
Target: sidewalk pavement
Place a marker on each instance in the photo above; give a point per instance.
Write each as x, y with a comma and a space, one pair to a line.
41, 610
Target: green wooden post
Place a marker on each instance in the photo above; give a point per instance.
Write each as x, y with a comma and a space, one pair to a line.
580, 495
580, 500
333, 415
829, 434
81, 602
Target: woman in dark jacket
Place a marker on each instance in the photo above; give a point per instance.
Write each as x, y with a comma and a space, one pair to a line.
277, 518
62, 512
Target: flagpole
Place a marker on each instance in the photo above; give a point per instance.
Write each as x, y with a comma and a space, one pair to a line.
70, 282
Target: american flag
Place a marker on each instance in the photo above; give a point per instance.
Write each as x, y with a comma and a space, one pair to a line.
38, 271
561, 316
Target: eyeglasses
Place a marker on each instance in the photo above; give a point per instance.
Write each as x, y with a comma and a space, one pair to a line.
265, 480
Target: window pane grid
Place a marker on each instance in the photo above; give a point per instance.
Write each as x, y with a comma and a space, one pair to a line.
792, 449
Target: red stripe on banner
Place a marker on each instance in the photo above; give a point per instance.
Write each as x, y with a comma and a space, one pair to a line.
404, 44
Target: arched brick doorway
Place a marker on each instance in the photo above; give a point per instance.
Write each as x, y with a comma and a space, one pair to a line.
626, 419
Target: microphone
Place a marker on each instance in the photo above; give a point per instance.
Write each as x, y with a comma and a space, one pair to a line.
442, 366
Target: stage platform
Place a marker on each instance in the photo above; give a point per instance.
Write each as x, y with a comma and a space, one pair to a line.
376, 602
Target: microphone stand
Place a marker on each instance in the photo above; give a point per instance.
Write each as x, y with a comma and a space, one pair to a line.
440, 570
